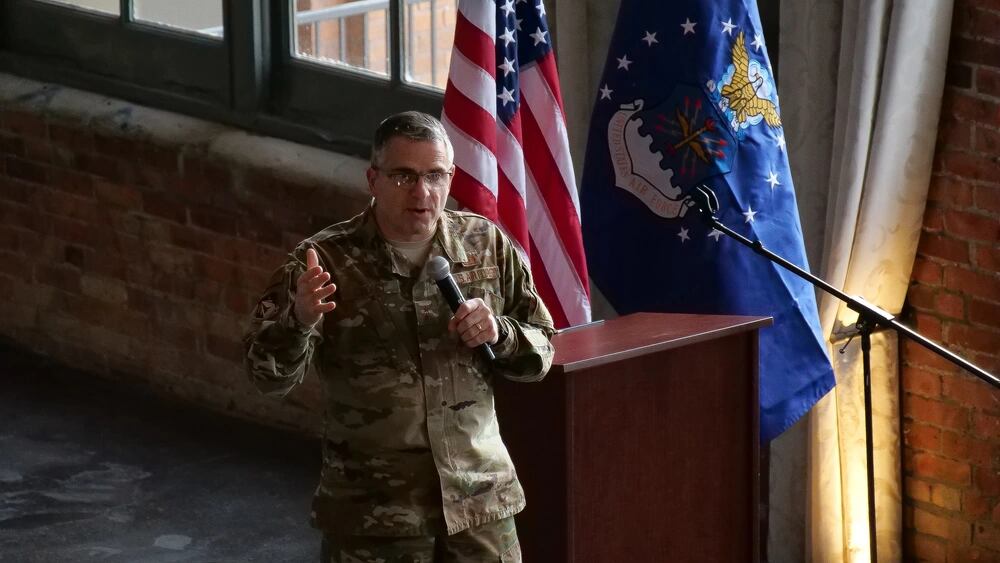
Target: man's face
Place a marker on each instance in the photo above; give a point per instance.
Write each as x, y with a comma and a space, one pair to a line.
409, 212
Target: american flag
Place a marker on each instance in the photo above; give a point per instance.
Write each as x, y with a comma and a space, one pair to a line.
503, 110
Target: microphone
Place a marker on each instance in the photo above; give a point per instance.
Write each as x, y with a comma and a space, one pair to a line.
440, 272
704, 199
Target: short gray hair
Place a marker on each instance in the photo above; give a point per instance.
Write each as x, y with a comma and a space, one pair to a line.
413, 125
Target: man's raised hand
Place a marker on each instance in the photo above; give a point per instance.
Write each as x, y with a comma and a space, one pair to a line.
311, 289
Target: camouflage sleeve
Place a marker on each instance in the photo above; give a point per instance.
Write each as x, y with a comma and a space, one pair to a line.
526, 353
278, 347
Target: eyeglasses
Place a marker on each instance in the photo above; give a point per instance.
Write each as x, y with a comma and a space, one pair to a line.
407, 180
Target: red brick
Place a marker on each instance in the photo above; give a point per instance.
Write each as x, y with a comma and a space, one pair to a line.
972, 166
191, 238
972, 338
987, 257
988, 481
61, 277
933, 219
988, 81
24, 124
944, 247
58, 203
987, 141
217, 270
14, 264
98, 237
986, 426
935, 467
996, 513
949, 305
71, 181
927, 325
927, 272
38, 150
981, 312
214, 220
983, 23
916, 489
926, 548
921, 297
947, 498
159, 158
921, 382
986, 535
968, 390
75, 139
974, 51
921, 436
935, 412
225, 348
972, 226
973, 284
165, 207
973, 108
238, 301
964, 448
954, 133
929, 523
99, 165
916, 355
180, 337
115, 147
117, 195
974, 504
27, 170
987, 198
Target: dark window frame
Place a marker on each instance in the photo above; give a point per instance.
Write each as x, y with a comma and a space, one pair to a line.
248, 78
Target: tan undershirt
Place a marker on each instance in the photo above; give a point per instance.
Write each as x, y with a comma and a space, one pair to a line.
415, 252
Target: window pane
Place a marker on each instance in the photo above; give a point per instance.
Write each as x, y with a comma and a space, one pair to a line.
344, 32
106, 6
428, 34
199, 16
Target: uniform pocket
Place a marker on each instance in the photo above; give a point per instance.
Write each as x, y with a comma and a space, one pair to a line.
492, 299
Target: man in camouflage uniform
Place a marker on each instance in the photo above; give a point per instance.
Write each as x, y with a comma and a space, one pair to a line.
413, 465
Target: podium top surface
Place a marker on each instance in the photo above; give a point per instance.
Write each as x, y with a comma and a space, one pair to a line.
642, 333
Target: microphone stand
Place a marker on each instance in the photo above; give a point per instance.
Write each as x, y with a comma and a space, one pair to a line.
869, 318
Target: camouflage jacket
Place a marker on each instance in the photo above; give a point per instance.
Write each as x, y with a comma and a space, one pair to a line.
411, 441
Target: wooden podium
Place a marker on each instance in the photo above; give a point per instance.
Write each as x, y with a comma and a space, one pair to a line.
641, 444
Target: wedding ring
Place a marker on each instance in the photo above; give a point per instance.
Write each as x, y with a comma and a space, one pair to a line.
479, 327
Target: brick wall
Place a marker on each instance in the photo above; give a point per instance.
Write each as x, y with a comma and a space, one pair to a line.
140, 259
951, 420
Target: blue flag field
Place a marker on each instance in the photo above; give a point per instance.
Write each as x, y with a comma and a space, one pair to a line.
688, 98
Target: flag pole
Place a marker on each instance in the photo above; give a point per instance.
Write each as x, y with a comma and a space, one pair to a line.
870, 318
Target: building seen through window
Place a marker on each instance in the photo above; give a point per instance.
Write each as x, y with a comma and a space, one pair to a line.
356, 34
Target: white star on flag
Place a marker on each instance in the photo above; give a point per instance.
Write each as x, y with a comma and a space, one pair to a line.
606, 92
773, 180
623, 62
541, 9
758, 41
506, 96
650, 38
728, 26
507, 36
508, 8
749, 214
684, 235
715, 234
539, 36
688, 26
507, 67
517, 23
781, 142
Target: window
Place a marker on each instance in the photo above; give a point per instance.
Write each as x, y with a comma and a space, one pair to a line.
317, 71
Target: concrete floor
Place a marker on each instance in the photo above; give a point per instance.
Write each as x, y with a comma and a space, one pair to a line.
91, 471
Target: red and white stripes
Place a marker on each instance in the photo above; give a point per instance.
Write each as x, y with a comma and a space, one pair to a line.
514, 166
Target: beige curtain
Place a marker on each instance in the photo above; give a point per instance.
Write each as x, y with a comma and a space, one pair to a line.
862, 140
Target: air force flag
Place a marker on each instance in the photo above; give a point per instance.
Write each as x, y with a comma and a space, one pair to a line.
688, 98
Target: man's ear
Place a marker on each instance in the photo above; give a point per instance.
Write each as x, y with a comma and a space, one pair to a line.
371, 173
